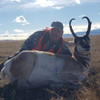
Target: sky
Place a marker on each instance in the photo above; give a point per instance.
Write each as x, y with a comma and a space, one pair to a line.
21, 18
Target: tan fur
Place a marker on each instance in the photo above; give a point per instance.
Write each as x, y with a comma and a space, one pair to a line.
22, 64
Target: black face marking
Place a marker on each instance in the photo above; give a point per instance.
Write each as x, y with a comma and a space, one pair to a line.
84, 42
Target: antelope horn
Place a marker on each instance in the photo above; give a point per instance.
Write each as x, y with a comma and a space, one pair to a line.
89, 25
71, 29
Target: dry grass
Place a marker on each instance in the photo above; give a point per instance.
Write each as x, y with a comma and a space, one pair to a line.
89, 91
8, 48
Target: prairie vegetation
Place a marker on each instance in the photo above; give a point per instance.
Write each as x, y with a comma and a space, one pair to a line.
88, 91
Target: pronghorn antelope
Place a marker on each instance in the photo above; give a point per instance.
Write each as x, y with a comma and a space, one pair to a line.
37, 68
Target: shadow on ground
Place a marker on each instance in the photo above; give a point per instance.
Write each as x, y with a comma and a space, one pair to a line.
9, 92
89, 89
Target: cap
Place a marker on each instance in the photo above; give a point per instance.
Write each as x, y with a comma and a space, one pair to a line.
57, 25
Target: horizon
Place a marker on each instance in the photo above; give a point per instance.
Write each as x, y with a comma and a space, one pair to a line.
20, 18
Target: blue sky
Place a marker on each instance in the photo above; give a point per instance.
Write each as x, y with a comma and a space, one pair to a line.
20, 18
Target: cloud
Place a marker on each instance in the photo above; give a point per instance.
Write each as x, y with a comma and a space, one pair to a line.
9, 1
95, 26
57, 4
76, 28
22, 20
89, 1
14, 36
66, 29
98, 13
16, 0
18, 30
80, 28
58, 7
78, 1
82, 15
7, 32
20, 34
43, 3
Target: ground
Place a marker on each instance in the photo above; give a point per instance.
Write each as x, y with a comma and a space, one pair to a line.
89, 91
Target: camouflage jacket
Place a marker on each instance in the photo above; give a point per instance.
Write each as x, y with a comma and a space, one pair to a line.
32, 41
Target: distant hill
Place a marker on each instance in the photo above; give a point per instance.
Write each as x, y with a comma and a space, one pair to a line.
93, 32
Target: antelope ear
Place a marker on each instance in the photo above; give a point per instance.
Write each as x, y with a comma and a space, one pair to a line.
89, 25
71, 29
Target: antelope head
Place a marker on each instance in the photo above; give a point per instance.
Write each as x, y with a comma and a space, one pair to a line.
82, 43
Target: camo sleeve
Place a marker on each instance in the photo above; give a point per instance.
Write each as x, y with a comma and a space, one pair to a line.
31, 42
65, 50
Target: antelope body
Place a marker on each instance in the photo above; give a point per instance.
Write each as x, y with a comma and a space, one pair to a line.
37, 68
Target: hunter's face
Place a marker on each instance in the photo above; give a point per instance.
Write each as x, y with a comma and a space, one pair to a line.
55, 34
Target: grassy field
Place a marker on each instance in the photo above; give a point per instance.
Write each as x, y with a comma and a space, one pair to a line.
90, 91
